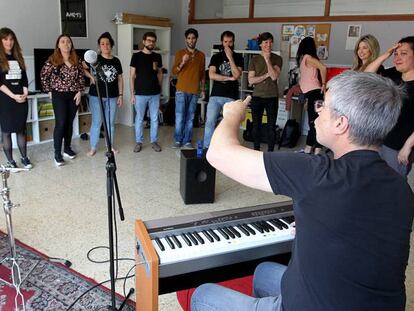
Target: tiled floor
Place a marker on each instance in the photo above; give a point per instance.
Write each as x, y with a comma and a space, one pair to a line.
63, 210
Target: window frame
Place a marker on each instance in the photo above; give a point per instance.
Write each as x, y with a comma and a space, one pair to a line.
288, 19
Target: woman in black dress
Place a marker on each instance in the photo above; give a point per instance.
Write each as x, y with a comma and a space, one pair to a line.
13, 97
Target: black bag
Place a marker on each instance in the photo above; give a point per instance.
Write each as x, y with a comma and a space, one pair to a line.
248, 133
290, 134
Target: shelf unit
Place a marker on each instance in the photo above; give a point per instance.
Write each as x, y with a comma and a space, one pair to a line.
41, 121
129, 37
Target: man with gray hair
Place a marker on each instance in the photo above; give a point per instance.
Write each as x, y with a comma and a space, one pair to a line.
353, 212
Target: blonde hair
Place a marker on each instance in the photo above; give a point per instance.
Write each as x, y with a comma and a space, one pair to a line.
373, 47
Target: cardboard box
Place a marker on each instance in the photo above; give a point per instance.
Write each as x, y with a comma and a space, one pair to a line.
46, 128
85, 123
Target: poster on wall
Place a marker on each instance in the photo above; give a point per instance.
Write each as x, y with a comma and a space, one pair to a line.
73, 18
294, 33
352, 36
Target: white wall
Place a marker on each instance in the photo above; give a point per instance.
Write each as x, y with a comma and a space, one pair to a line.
37, 22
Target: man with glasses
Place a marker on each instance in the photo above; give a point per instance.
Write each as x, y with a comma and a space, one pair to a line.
353, 212
145, 79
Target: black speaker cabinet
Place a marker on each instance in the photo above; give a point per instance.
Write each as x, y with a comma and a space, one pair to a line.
197, 178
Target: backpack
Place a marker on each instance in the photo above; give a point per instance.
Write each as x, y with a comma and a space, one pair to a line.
290, 134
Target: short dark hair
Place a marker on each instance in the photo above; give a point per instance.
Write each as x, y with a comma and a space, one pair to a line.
265, 36
191, 30
228, 34
150, 34
106, 35
409, 40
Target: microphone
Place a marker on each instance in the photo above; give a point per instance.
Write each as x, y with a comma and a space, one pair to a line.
91, 57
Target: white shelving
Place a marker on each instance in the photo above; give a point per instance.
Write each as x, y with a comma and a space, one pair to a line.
130, 35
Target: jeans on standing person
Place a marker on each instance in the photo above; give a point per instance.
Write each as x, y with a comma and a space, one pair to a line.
110, 109
185, 107
214, 107
266, 293
141, 102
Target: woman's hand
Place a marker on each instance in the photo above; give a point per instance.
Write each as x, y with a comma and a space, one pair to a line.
120, 100
77, 98
19, 98
404, 155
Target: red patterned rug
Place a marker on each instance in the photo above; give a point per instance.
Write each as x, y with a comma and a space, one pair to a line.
50, 286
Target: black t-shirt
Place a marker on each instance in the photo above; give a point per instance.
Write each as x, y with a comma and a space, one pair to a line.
146, 66
15, 78
222, 64
353, 223
111, 69
405, 124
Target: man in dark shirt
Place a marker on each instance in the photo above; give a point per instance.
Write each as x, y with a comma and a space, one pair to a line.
353, 212
145, 85
224, 70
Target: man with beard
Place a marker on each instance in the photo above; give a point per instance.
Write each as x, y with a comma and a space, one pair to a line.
189, 66
145, 84
225, 69
264, 70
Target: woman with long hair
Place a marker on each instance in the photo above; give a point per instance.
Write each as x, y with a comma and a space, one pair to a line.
312, 83
398, 145
13, 97
63, 77
366, 50
112, 73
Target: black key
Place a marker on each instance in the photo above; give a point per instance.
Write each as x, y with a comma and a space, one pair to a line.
160, 245
263, 225
178, 243
198, 237
214, 235
257, 227
270, 227
170, 243
224, 234
288, 219
243, 230
192, 238
277, 223
208, 236
235, 232
250, 229
229, 232
284, 225
185, 238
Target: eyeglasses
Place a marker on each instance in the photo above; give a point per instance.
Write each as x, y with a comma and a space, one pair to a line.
319, 104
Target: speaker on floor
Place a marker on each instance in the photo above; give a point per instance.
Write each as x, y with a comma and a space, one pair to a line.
197, 178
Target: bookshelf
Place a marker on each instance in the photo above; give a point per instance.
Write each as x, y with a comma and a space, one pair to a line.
41, 120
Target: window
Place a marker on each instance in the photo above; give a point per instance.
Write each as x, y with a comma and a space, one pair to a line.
247, 11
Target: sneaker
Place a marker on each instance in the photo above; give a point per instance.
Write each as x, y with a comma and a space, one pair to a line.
156, 147
12, 164
69, 153
138, 147
188, 146
176, 145
26, 162
59, 160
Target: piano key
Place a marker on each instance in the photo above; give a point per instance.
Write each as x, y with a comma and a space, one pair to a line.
257, 227
234, 231
170, 243
208, 236
263, 225
192, 238
185, 238
248, 228
214, 235
288, 219
284, 224
269, 226
243, 230
160, 245
224, 234
229, 233
178, 243
198, 237
277, 223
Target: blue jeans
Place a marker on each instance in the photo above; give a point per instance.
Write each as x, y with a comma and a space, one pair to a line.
266, 292
141, 102
214, 107
110, 108
185, 107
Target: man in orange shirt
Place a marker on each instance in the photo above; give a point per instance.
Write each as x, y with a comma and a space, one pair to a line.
189, 67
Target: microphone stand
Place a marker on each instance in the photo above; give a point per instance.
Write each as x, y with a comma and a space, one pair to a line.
111, 184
